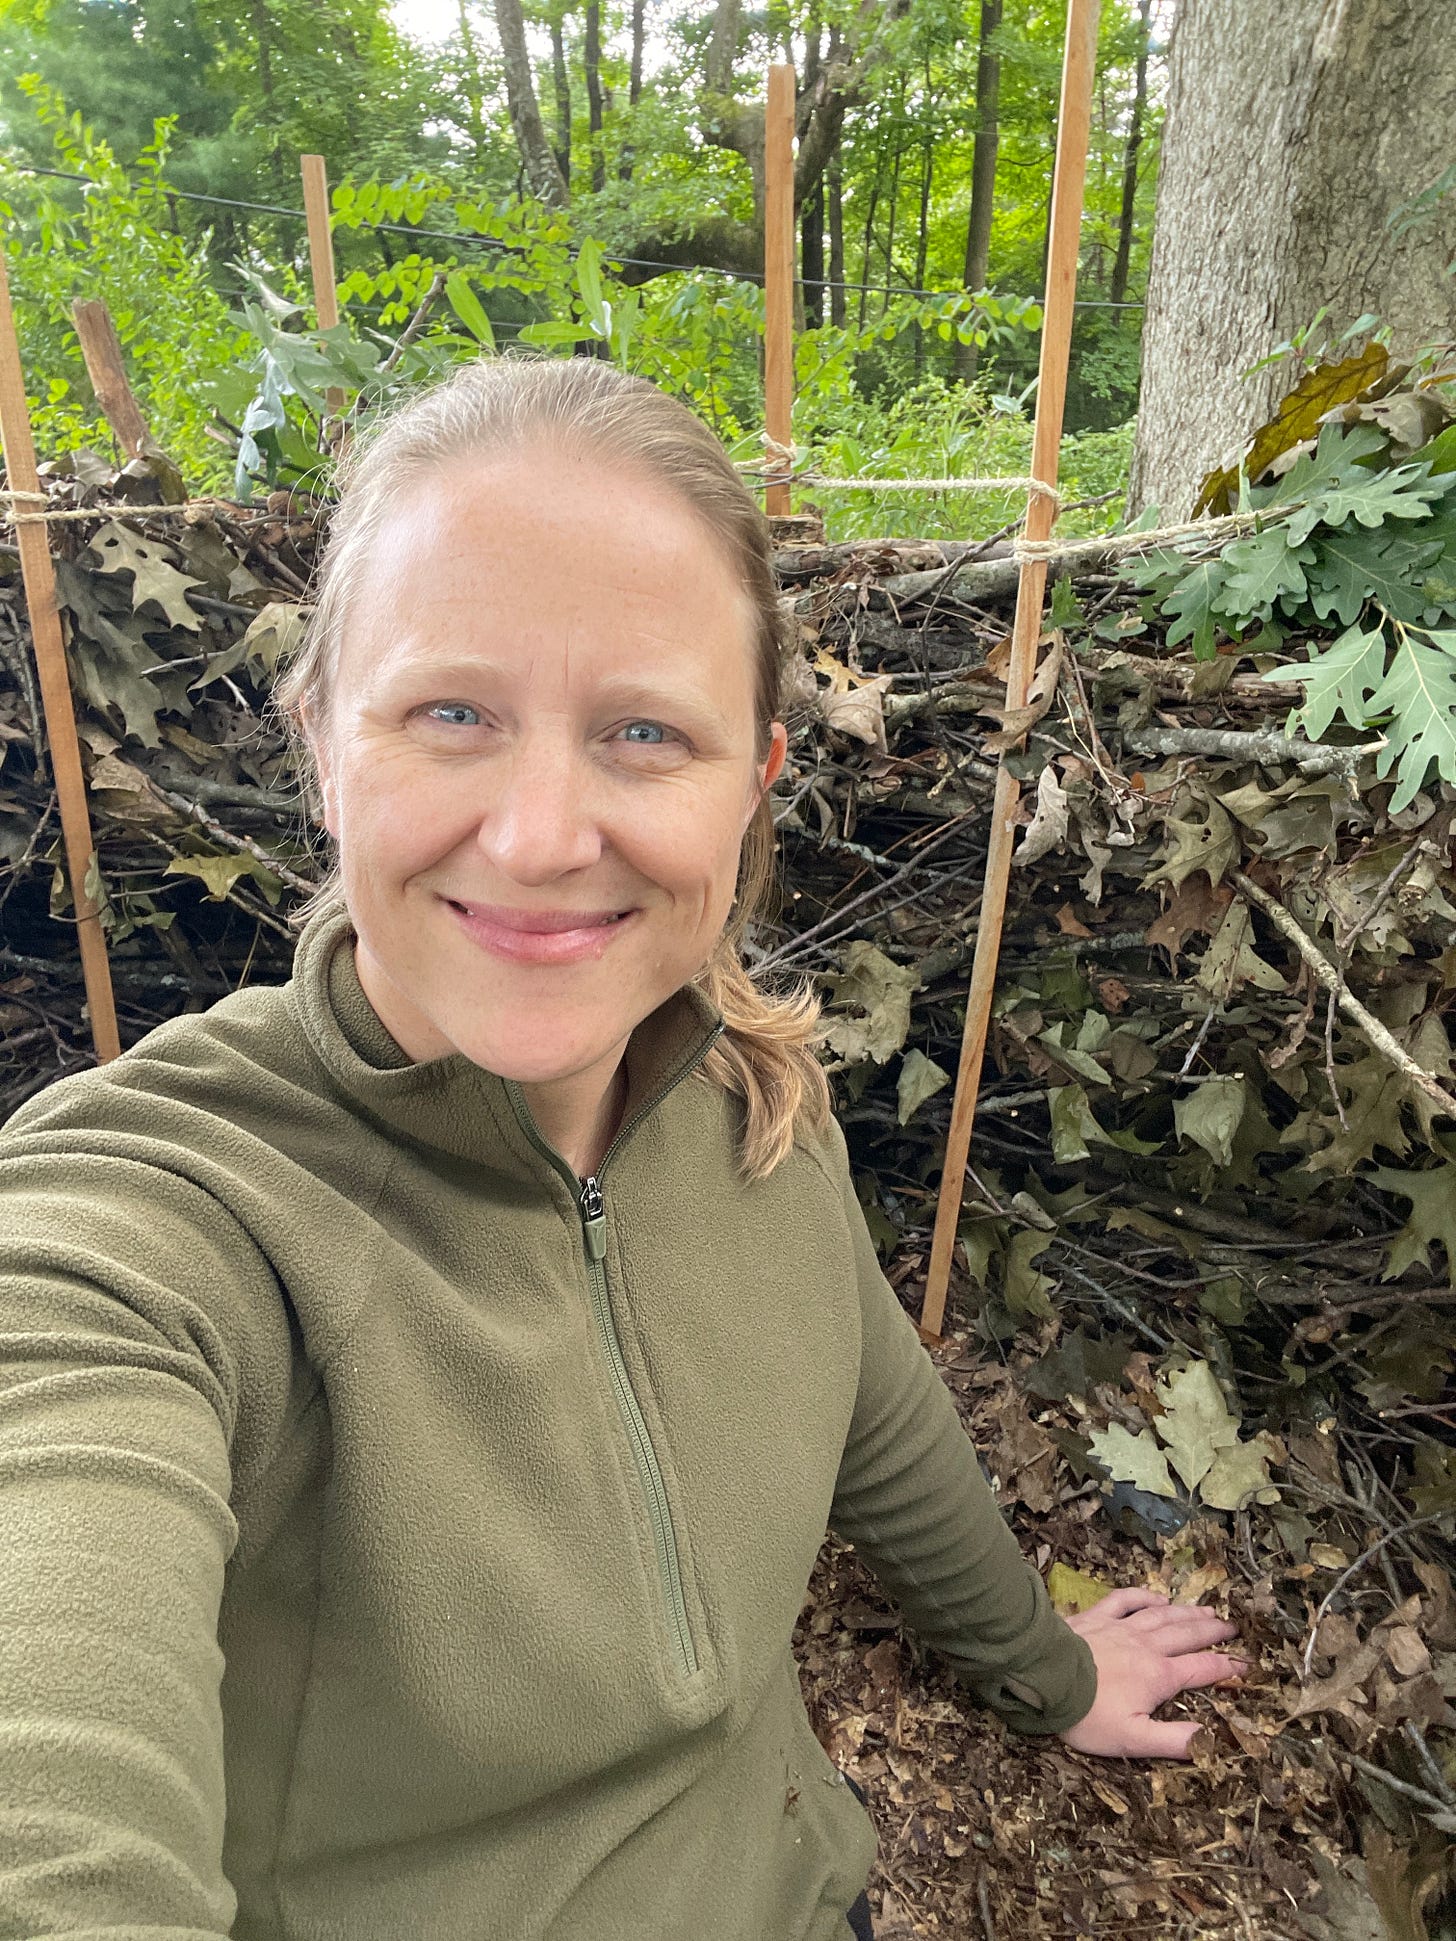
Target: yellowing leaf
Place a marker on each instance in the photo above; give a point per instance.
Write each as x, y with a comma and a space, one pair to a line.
920, 1079
881, 989
219, 873
1231, 958
1197, 1423
1210, 1116
1133, 1459
1239, 1471
1072, 1590
1297, 419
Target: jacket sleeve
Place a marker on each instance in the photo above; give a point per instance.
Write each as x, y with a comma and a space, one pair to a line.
117, 1403
912, 1499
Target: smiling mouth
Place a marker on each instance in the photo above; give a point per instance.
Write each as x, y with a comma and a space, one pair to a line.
539, 923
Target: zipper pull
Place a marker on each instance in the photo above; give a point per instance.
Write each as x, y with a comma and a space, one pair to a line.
593, 1219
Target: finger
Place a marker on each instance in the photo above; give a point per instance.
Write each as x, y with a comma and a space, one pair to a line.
1128, 1598
1205, 1668
1160, 1739
1187, 1630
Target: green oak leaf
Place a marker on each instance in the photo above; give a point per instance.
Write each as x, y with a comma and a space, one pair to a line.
1260, 570
1419, 695
1354, 566
1338, 680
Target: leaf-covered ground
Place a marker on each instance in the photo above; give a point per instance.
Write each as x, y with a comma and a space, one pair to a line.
987, 1833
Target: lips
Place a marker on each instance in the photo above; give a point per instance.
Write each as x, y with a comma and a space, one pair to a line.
538, 923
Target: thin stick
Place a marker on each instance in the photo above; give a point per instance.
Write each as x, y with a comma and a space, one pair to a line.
321, 255
38, 576
778, 275
1073, 128
1324, 972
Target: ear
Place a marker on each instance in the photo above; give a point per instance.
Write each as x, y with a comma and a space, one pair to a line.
771, 768
328, 787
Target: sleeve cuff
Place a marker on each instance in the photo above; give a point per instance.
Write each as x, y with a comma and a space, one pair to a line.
1055, 1680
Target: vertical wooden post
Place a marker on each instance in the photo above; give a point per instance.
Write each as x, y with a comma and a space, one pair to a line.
39, 579
321, 254
1073, 126
778, 272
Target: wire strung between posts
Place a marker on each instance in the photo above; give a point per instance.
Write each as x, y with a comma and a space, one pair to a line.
493, 242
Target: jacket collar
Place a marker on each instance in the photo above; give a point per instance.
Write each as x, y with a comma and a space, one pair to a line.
451, 1103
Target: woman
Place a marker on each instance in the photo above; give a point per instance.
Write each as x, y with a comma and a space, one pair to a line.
425, 1386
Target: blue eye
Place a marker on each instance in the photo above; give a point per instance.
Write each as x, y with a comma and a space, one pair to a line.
655, 726
451, 707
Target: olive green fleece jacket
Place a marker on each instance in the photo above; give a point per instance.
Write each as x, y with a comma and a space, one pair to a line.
400, 1537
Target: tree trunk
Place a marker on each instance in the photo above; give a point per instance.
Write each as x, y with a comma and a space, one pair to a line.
634, 86
639, 34
538, 164
470, 88
561, 78
894, 199
812, 250
593, 57
869, 223
1294, 135
1130, 159
834, 177
922, 236
983, 170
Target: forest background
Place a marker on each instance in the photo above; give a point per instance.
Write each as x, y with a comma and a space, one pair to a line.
545, 176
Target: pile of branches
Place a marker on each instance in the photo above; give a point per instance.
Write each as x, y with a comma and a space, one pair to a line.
1213, 1177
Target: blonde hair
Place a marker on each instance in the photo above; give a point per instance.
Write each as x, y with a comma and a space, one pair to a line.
585, 406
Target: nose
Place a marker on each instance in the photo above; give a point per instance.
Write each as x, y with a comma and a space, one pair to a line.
539, 816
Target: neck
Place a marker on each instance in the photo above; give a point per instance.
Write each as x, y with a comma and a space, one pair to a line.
580, 1115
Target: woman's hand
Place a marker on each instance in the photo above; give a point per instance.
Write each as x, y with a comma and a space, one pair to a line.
1147, 1649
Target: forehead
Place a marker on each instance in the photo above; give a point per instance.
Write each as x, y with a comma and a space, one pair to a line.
537, 546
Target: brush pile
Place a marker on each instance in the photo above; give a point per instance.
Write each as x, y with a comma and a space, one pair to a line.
1203, 1283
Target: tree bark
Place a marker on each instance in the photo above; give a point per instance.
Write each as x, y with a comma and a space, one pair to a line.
593, 57
1123, 259
538, 164
634, 85
811, 245
1294, 135
561, 79
470, 83
922, 236
983, 170
639, 34
834, 178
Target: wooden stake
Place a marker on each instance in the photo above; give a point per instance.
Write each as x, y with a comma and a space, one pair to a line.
106, 368
38, 577
778, 273
1073, 126
321, 255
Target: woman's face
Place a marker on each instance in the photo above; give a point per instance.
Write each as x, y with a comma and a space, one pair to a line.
544, 710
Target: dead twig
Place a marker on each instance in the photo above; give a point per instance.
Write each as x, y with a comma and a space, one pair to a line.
1325, 974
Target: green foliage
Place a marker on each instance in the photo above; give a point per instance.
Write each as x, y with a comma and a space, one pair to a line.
119, 246
1346, 538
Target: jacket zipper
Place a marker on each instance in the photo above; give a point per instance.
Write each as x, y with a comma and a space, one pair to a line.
592, 1209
